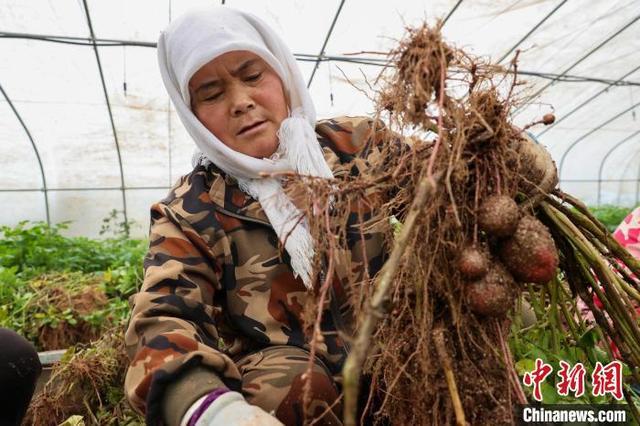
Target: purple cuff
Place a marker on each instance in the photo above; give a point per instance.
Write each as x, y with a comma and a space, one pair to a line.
212, 396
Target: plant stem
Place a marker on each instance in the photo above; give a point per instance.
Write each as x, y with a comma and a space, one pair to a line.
623, 334
590, 223
601, 268
632, 406
553, 308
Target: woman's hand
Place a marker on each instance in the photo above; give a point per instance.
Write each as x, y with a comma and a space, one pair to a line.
537, 169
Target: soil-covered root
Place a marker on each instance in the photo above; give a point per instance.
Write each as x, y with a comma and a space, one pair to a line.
537, 170
422, 60
62, 306
432, 284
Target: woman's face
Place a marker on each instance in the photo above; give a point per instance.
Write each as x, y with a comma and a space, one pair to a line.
241, 100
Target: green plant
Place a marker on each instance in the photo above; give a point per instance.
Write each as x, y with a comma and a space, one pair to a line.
116, 225
46, 276
559, 334
37, 247
611, 216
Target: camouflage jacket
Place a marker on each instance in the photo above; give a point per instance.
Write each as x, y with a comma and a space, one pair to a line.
216, 286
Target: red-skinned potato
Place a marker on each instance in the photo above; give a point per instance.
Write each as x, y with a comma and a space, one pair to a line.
530, 254
492, 295
473, 263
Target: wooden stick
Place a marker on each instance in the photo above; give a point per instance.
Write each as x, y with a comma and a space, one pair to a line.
445, 362
376, 310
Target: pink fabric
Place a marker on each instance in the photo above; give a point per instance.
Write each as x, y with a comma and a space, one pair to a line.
628, 235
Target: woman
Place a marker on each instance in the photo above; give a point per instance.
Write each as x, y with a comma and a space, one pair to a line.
216, 333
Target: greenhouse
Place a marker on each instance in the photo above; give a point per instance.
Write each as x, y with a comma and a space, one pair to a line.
90, 140
88, 127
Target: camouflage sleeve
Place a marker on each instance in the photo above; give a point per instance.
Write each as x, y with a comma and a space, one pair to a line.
360, 142
172, 337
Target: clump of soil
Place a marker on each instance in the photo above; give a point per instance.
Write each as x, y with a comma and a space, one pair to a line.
422, 62
536, 180
87, 382
63, 306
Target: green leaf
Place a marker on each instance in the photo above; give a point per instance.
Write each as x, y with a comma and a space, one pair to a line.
73, 421
525, 365
549, 393
589, 338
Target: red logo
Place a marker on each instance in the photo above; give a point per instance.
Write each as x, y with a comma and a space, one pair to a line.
571, 379
607, 379
536, 377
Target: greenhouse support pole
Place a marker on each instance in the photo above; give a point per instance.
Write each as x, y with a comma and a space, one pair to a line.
630, 162
531, 31
305, 57
35, 149
589, 133
453, 9
324, 45
113, 126
606, 156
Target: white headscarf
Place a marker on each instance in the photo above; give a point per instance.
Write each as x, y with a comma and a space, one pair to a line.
201, 35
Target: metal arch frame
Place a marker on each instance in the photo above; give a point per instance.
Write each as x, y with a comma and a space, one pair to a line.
324, 44
103, 188
631, 159
81, 41
94, 42
606, 156
612, 84
453, 9
579, 61
532, 30
621, 181
589, 133
35, 149
305, 57
113, 126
